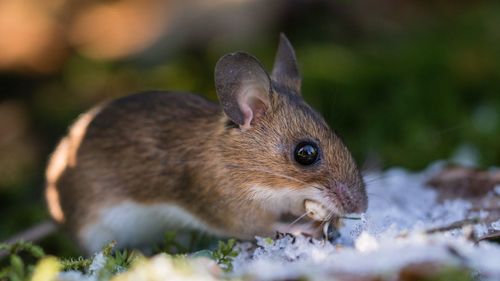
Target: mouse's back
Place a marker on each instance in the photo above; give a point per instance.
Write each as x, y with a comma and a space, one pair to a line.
121, 150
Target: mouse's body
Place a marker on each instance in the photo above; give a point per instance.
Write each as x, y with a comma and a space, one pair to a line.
137, 166
119, 154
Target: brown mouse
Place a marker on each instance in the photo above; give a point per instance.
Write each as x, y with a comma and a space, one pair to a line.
134, 167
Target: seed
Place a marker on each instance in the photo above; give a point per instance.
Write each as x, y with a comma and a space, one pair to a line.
315, 210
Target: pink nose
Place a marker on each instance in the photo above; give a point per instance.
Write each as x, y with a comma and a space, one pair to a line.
351, 199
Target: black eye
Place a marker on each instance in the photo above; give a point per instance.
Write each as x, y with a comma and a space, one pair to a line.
306, 153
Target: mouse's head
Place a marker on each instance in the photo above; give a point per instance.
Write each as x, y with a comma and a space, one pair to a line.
278, 150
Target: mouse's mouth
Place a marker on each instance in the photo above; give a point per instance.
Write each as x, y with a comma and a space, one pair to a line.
311, 210
317, 211
322, 221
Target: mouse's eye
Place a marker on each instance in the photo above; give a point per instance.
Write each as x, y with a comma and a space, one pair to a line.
306, 153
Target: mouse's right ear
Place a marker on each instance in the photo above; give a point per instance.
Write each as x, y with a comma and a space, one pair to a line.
243, 88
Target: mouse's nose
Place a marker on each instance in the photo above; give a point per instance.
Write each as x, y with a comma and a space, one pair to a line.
351, 198
362, 203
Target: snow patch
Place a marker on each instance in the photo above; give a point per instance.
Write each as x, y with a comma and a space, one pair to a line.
396, 231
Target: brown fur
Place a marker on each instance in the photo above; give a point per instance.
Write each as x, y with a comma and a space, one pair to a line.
160, 147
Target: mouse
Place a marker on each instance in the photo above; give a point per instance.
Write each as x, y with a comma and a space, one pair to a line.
131, 168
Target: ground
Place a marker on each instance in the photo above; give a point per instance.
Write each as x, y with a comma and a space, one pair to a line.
439, 224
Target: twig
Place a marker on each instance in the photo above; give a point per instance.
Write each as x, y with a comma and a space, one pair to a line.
455, 225
495, 236
32, 234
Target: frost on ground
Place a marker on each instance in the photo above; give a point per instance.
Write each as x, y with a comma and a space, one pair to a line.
407, 225
410, 229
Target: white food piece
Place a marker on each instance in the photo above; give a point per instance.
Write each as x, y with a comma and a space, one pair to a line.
315, 210
326, 229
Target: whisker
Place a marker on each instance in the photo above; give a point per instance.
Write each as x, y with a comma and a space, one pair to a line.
374, 179
378, 196
378, 178
298, 219
375, 194
317, 187
369, 182
328, 218
351, 218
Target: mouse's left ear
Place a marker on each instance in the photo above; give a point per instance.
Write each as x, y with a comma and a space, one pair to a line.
243, 88
285, 70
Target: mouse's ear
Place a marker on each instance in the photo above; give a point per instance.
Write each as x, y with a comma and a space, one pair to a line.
243, 88
285, 70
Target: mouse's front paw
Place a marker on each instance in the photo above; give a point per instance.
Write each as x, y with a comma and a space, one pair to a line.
312, 229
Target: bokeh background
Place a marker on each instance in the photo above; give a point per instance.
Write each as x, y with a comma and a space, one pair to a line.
405, 82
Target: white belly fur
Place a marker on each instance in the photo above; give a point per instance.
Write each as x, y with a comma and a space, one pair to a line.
136, 225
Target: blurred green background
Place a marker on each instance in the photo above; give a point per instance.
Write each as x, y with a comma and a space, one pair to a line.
405, 82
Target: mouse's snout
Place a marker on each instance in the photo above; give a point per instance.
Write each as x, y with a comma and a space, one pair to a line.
348, 198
